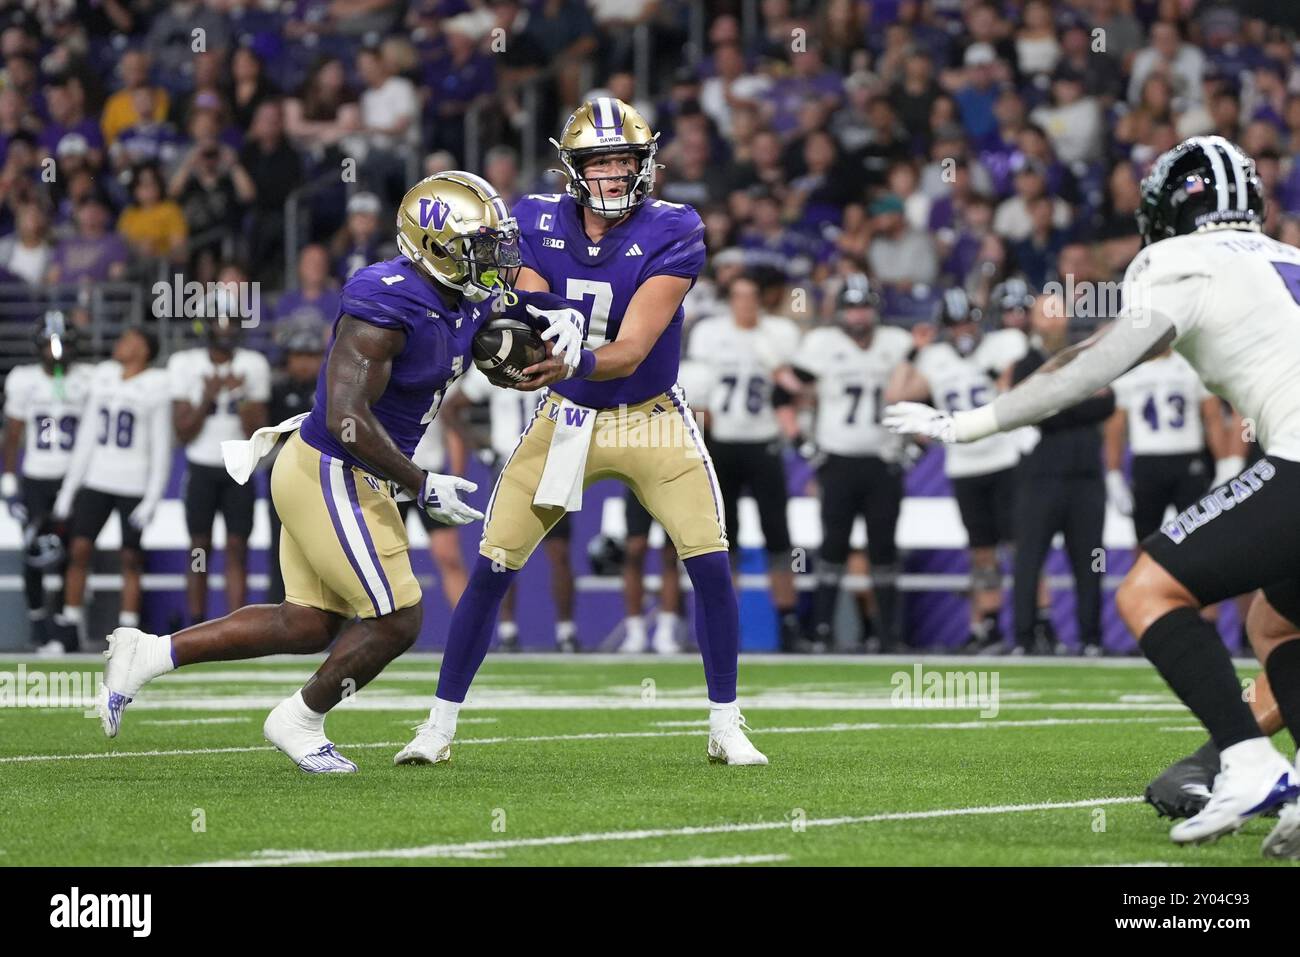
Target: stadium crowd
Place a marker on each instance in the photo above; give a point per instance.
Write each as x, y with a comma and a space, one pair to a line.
930, 146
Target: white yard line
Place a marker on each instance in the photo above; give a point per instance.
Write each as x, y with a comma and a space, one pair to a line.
176, 722
605, 735
719, 861
560, 840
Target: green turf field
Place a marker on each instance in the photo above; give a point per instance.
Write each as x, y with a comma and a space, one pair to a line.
600, 761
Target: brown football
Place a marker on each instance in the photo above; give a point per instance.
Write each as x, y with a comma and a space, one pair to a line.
504, 348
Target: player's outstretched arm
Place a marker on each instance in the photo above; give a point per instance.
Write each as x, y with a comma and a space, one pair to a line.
360, 363
1070, 376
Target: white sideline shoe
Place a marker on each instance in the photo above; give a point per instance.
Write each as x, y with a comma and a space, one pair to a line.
431, 745
129, 667
304, 745
1251, 782
727, 741
664, 641
635, 642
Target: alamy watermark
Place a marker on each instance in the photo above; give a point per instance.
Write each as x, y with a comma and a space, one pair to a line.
919, 688
49, 689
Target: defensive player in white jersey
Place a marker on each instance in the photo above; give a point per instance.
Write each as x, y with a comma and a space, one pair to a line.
961, 371
743, 349
220, 392
120, 463
1228, 300
1169, 419
43, 407
851, 364
509, 412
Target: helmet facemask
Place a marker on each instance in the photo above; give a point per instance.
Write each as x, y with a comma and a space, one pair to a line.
592, 191
483, 262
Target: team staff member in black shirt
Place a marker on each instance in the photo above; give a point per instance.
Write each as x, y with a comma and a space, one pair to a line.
1062, 489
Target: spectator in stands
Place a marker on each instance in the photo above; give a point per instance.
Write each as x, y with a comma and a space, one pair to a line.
501, 169
207, 92
316, 300
147, 140
26, 252
1013, 221
732, 85
390, 114
899, 255
1073, 121
65, 98
275, 169
324, 111
358, 243
1037, 48
249, 86
121, 110
977, 91
213, 190
914, 94
454, 83
173, 32
94, 253
563, 32
1168, 55
1035, 255
152, 223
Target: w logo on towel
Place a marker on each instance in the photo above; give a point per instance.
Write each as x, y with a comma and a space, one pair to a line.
574, 416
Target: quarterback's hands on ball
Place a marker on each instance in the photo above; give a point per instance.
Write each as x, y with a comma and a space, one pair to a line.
142, 514
565, 328
1227, 468
1118, 492
440, 499
917, 418
541, 374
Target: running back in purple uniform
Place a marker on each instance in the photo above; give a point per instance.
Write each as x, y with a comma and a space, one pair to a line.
658, 239
393, 295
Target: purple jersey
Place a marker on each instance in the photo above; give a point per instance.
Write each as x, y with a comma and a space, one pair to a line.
394, 295
658, 239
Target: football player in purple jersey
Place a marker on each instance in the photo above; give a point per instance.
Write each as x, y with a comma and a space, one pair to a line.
626, 261
402, 335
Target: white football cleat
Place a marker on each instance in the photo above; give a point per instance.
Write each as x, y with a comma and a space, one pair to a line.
1249, 784
664, 641
129, 667
51, 649
431, 745
634, 642
304, 744
1284, 839
727, 741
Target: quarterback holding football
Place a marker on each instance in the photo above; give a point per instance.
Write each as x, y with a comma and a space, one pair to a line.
626, 261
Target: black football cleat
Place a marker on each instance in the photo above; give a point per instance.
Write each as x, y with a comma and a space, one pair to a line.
1184, 787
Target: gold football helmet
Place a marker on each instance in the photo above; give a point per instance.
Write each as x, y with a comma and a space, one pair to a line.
601, 127
458, 230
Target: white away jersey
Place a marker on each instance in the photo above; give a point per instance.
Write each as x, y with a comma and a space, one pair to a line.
128, 427
50, 410
960, 383
742, 362
1233, 297
851, 385
1162, 398
187, 370
509, 410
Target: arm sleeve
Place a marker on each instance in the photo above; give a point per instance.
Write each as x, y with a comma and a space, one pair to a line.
1112, 354
160, 451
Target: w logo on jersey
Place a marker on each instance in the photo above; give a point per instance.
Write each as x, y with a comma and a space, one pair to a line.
574, 416
433, 211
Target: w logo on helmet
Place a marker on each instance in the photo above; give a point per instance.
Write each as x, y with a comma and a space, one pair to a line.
433, 211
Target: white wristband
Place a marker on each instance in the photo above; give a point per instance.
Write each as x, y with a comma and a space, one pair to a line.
8, 485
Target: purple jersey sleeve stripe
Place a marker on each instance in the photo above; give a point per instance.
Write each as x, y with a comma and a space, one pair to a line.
349, 479
342, 537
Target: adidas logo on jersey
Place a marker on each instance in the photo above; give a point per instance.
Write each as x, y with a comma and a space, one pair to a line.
634, 250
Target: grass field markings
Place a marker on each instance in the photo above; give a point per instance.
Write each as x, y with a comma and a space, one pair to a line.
702, 723
560, 840
369, 700
731, 861
1139, 864
979, 725
176, 722
1183, 727
459, 721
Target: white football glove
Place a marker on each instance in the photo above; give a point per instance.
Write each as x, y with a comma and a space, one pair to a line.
1118, 492
440, 499
917, 418
566, 329
142, 514
1226, 469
